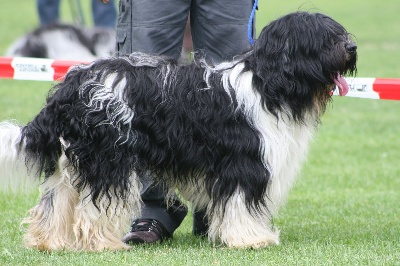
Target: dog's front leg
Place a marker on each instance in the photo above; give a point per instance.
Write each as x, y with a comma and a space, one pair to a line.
238, 226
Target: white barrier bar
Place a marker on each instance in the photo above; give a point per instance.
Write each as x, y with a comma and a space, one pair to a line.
24, 68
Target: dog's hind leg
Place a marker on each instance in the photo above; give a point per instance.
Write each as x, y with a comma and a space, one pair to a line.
50, 221
102, 227
238, 226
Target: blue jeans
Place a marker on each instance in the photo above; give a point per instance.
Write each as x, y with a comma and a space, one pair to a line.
104, 15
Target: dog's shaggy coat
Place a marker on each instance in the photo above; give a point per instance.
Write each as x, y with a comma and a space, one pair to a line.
230, 137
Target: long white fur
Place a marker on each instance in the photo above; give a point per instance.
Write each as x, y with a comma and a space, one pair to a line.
99, 229
44, 229
238, 227
78, 224
284, 143
15, 175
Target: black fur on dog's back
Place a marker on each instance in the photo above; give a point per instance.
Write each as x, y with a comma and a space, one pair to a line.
181, 127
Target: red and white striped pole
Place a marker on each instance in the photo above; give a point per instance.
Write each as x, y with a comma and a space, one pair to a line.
374, 88
24, 68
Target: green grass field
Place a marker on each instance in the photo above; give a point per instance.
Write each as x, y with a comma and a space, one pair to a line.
344, 208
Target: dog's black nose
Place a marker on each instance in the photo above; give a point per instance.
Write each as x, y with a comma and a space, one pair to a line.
351, 47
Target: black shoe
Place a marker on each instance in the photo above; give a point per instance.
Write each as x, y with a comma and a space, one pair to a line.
146, 231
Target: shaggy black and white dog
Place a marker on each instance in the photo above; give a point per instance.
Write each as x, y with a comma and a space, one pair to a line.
65, 42
231, 138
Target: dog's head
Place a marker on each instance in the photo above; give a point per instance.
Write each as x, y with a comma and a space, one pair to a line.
299, 59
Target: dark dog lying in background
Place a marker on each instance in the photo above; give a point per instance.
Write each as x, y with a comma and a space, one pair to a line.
65, 42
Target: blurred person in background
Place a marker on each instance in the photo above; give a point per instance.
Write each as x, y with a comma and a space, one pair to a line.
103, 15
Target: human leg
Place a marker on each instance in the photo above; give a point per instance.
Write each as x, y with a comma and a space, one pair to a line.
153, 27
104, 15
219, 28
49, 11
159, 218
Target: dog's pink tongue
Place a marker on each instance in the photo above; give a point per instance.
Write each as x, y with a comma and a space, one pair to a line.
341, 83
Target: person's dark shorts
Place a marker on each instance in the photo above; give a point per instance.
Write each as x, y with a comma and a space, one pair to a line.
219, 27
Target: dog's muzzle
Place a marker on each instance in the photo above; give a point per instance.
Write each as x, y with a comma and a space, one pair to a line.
351, 47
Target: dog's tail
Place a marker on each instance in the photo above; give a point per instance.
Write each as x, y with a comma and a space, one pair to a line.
16, 169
